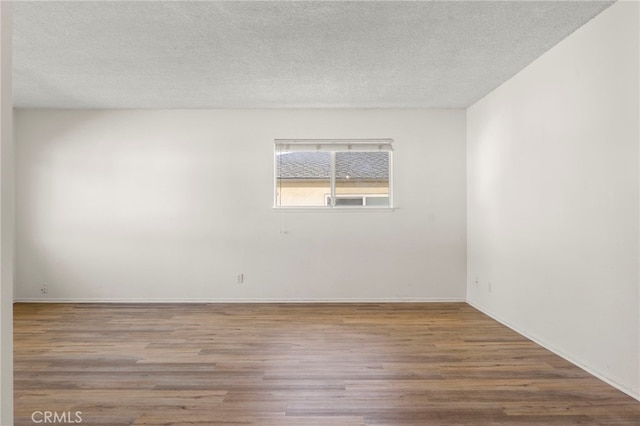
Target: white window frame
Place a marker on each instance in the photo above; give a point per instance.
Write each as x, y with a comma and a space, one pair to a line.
332, 146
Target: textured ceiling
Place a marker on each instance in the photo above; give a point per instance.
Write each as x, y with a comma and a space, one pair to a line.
279, 54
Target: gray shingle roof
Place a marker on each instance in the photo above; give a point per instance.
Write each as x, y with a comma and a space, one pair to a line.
316, 165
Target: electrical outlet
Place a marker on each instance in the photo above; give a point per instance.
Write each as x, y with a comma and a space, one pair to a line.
44, 289
240, 279
476, 282
490, 287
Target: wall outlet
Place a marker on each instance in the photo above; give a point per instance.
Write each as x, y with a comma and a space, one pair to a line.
476, 282
490, 287
44, 289
240, 279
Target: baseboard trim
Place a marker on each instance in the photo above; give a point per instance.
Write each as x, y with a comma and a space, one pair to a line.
557, 351
275, 300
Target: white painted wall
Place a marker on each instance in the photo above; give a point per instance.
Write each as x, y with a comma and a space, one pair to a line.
553, 193
6, 218
172, 205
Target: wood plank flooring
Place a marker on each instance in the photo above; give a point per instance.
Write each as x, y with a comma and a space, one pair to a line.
296, 364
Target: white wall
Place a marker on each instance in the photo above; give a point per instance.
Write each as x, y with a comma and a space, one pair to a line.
172, 205
553, 193
6, 219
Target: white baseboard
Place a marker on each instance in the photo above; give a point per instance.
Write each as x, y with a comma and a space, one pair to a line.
206, 300
560, 353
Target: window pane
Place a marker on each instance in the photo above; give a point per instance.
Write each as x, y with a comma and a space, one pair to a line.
349, 201
303, 179
362, 174
377, 201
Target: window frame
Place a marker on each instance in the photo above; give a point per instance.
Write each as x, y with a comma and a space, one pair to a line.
332, 146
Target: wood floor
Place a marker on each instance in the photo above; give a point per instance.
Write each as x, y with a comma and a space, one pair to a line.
296, 364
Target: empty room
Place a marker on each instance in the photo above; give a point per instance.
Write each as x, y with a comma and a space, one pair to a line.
320, 212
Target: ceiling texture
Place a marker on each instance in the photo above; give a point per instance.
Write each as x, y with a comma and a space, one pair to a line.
279, 54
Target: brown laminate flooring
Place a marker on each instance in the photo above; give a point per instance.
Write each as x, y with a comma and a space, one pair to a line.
298, 365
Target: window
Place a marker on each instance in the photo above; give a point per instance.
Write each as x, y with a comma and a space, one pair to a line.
333, 173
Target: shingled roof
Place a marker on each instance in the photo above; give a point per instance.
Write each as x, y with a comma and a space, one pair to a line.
316, 165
